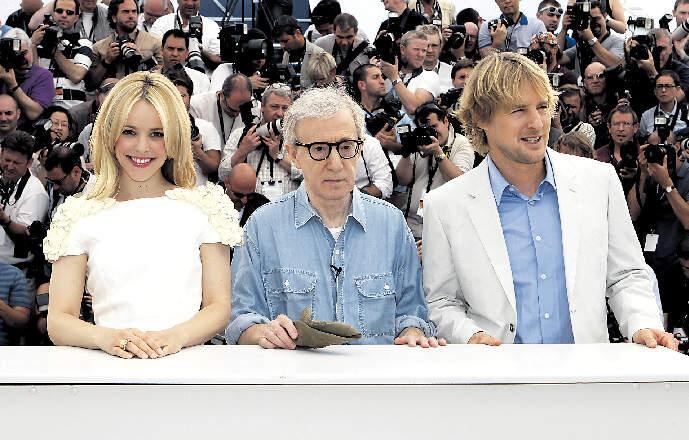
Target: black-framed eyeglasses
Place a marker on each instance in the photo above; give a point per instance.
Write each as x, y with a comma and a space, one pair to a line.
318, 151
665, 86
552, 10
58, 182
65, 11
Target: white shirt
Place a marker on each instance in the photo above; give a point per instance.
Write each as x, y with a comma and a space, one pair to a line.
149, 281
209, 40
427, 80
205, 106
444, 72
284, 181
211, 142
32, 206
373, 165
201, 82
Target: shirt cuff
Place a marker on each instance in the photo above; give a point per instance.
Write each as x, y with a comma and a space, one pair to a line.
240, 324
405, 321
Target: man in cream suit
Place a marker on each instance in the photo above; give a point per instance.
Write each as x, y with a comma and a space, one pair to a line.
526, 247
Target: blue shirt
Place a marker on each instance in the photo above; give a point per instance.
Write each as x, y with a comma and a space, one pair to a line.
533, 236
14, 293
370, 277
518, 35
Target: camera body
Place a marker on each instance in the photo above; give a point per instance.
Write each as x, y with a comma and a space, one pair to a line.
655, 153
629, 153
580, 14
384, 48
49, 43
458, 37
390, 115
270, 128
195, 133
196, 27
10, 53
450, 98
128, 54
493, 24
664, 21
662, 126
413, 139
536, 55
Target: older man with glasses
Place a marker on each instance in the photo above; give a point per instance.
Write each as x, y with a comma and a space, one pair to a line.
347, 256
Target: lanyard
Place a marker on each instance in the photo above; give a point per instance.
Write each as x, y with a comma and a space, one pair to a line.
222, 121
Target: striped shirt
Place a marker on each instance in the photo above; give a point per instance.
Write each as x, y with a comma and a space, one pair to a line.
14, 293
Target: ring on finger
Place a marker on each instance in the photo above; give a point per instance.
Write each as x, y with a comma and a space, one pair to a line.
123, 343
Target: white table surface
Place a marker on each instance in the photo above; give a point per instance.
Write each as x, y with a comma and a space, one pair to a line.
351, 365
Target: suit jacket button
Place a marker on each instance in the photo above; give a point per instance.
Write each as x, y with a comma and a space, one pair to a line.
512, 328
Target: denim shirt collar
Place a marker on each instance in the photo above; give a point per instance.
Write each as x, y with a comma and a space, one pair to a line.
304, 211
498, 183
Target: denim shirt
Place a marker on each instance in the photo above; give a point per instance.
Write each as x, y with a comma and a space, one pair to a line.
369, 278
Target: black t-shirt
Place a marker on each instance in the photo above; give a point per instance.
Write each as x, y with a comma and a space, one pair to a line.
404, 23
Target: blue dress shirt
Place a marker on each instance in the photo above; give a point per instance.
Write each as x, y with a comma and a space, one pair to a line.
533, 236
370, 277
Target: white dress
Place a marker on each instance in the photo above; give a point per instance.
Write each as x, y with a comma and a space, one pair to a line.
144, 264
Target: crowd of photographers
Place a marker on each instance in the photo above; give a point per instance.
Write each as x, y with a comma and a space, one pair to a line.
621, 82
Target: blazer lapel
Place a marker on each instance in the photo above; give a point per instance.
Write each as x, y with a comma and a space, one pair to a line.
570, 215
484, 215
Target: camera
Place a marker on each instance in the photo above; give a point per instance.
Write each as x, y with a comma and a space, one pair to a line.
10, 53
274, 128
384, 48
661, 125
555, 79
49, 43
536, 55
450, 98
665, 20
196, 28
629, 153
645, 44
234, 46
640, 23
655, 153
195, 133
580, 14
459, 33
128, 54
412, 139
493, 24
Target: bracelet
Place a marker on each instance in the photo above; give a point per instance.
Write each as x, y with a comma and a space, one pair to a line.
13, 89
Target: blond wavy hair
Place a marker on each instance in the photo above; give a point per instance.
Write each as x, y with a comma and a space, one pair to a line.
158, 91
495, 85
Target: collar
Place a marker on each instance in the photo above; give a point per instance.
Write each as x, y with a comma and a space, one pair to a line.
498, 183
523, 21
674, 109
304, 211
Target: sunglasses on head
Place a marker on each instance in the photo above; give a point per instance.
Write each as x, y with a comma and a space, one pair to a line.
65, 11
552, 10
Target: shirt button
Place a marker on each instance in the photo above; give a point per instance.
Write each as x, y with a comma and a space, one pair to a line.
337, 252
538, 238
386, 287
573, 311
543, 276
511, 327
531, 202
546, 315
286, 283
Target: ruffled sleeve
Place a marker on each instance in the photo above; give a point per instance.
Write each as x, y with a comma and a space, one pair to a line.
212, 201
62, 238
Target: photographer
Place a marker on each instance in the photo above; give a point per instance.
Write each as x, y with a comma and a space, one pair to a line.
127, 50
29, 84
666, 90
261, 147
60, 49
647, 61
446, 156
508, 32
435, 46
546, 43
595, 42
16, 303
205, 141
571, 103
322, 20
22, 197
658, 203
400, 19
599, 101
204, 33
675, 289
92, 23
439, 13
175, 51
65, 175
345, 45
623, 150
227, 109
296, 49
250, 62
452, 54
152, 11
408, 80
9, 115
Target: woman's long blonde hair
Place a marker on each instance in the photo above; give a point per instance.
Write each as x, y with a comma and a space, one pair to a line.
158, 91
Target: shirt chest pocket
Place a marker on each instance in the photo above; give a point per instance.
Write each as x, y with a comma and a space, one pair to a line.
289, 291
377, 304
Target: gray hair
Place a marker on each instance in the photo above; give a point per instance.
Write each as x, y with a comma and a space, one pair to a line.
283, 93
429, 30
321, 104
412, 35
232, 83
18, 34
660, 33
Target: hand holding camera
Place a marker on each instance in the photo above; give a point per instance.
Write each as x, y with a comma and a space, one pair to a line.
251, 140
596, 118
272, 142
432, 149
498, 32
391, 71
113, 53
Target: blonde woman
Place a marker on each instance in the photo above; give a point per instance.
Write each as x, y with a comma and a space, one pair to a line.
150, 248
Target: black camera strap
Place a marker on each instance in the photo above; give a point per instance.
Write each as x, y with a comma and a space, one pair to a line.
368, 176
6, 190
221, 117
410, 187
351, 56
675, 115
414, 74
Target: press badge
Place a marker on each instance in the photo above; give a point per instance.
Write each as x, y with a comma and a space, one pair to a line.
271, 190
651, 242
419, 211
58, 93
